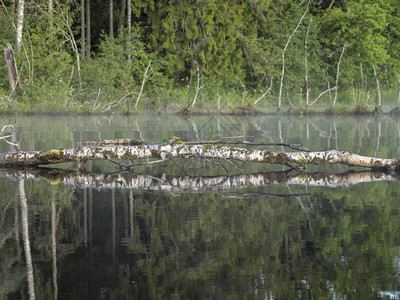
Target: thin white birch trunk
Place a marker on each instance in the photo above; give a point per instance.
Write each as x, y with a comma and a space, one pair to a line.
266, 92
88, 37
83, 29
306, 62
378, 89
143, 82
283, 55
20, 24
337, 76
129, 22
198, 85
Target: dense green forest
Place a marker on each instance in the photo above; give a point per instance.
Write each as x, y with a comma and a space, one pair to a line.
118, 55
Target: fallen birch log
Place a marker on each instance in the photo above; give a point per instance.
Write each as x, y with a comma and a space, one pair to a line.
178, 149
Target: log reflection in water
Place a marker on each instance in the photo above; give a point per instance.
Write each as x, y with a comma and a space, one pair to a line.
129, 180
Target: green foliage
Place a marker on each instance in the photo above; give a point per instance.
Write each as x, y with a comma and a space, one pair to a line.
116, 75
234, 43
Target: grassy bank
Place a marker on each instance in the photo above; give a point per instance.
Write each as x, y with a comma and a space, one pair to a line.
59, 98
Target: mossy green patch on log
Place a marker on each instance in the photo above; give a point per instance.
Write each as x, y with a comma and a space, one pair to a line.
51, 155
176, 141
302, 161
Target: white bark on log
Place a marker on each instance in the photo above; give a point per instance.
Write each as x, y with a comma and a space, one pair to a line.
176, 149
129, 180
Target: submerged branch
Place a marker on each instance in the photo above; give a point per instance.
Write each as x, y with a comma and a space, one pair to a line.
177, 149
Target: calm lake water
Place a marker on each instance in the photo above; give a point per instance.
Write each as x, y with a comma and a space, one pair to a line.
182, 230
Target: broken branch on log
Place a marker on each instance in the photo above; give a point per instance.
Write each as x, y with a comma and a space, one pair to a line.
177, 149
129, 142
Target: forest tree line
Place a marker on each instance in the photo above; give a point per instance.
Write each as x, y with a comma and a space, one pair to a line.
100, 56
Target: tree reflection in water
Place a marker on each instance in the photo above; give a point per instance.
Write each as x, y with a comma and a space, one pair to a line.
26, 239
248, 237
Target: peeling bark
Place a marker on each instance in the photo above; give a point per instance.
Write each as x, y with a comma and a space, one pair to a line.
177, 149
12, 71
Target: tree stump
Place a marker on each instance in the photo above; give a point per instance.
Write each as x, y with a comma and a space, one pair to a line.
11, 67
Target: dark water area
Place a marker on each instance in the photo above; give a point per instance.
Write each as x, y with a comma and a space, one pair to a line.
181, 230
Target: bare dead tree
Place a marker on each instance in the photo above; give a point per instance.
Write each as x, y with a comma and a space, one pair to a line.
283, 53
12, 71
337, 74
321, 94
378, 102
306, 62
266, 92
198, 87
398, 95
143, 82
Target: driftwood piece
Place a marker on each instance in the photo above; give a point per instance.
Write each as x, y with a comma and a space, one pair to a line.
177, 149
11, 67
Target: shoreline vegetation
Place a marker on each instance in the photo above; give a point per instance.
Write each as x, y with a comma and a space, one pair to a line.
224, 57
